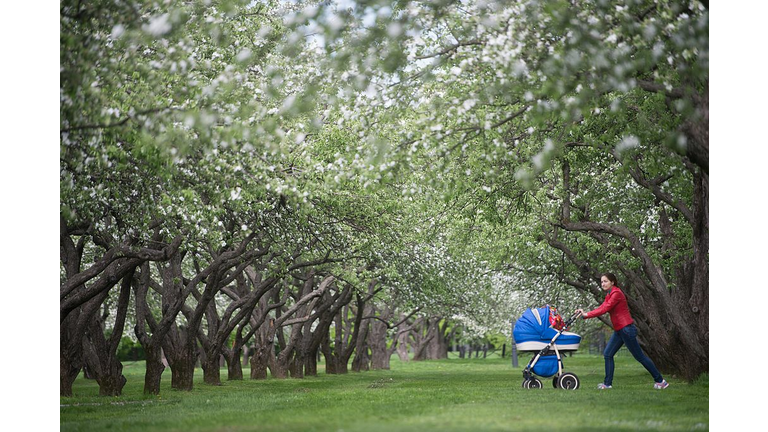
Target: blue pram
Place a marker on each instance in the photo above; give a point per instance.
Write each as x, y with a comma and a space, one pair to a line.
534, 333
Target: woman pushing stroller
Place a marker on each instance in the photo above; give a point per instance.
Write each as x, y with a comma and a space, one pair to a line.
625, 332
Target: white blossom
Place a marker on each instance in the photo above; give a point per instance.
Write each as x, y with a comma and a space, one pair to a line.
158, 25
117, 31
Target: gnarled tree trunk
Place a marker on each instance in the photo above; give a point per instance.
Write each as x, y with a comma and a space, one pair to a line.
101, 353
182, 353
423, 332
234, 365
154, 369
70, 354
362, 360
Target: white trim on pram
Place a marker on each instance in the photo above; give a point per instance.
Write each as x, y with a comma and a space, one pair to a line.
539, 345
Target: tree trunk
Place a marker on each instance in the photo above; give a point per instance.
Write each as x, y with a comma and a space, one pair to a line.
338, 346
68, 372
260, 359
101, 353
263, 351
296, 366
311, 348
330, 357
279, 370
377, 340
87, 370
220, 328
156, 361
308, 340
246, 355
334, 362
285, 362
107, 369
437, 348
154, 369
402, 347
70, 348
70, 355
234, 365
341, 366
182, 354
182, 373
358, 332
423, 333
310, 365
362, 359
211, 366
71, 340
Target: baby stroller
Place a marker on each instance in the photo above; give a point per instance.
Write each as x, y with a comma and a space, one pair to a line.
542, 331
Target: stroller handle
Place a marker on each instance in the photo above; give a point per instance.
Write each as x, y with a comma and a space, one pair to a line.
571, 319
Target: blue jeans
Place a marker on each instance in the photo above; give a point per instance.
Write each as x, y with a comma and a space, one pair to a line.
627, 336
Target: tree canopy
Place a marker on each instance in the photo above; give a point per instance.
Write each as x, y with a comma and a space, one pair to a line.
288, 172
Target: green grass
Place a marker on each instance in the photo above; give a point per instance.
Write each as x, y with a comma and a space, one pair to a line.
446, 395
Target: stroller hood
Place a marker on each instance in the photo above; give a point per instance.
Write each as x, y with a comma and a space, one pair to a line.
532, 324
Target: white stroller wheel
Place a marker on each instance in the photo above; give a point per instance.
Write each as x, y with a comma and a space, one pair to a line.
568, 381
534, 383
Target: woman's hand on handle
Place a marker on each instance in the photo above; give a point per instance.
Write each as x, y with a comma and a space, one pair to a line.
580, 312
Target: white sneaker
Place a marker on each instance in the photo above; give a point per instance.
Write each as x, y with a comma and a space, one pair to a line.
602, 386
661, 386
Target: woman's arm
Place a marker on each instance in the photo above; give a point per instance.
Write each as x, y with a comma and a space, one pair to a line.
608, 304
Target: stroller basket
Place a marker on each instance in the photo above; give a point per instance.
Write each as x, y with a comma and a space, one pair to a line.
546, 366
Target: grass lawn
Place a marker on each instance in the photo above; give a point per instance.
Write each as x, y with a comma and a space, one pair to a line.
446, 395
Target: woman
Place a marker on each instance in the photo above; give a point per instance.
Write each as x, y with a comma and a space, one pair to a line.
625, 332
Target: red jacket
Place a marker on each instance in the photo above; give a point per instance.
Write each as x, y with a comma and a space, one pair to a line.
615, 303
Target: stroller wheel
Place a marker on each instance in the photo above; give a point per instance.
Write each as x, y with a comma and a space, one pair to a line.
555, 381
534, 383
568, 381
526, 383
